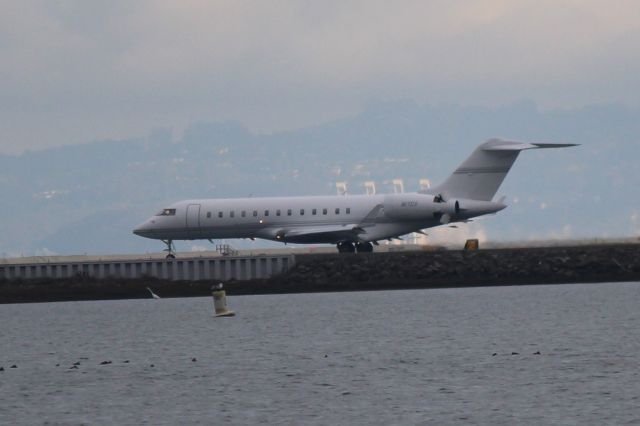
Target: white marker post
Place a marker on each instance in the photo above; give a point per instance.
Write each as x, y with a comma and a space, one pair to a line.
220, 302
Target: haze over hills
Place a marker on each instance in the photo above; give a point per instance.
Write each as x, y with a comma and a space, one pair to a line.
87, 198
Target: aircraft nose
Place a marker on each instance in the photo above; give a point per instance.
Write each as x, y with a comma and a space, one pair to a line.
143, 229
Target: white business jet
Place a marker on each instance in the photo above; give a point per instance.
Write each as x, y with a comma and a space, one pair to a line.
352, 222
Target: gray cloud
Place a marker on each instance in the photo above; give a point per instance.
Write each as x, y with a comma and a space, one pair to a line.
73, 71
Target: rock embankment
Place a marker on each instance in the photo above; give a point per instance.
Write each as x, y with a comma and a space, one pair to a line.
467, 268
375, 271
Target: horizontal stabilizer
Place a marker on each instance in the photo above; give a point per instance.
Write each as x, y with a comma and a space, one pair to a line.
554, 145
500, 145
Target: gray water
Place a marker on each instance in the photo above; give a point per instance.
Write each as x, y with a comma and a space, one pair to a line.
399, 357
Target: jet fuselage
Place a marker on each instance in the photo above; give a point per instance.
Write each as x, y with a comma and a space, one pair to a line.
318, 219
352, 222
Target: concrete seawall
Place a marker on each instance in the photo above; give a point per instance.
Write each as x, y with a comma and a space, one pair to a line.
193, 267
376, 271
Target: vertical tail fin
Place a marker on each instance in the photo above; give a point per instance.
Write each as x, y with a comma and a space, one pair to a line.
482, 173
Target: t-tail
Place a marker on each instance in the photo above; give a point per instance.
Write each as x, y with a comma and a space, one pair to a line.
480, 175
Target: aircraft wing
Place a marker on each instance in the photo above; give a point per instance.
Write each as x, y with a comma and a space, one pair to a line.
329, 233
324, 229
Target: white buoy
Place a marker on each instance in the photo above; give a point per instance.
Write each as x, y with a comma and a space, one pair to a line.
220, 302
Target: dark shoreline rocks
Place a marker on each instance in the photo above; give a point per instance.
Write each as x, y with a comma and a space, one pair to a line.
376, 271
553, 265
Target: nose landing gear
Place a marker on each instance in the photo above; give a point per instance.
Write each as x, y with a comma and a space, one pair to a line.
170, 249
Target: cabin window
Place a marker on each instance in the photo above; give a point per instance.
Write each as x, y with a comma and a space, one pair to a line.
337, 210
289, 212
348, 210
208, 215
219, 214
301, 212
314, 212
324, 211
243, 213
278, 212
266, 212
255, 213
232, 213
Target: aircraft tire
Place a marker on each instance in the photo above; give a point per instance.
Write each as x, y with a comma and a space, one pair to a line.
346, 247
364, 247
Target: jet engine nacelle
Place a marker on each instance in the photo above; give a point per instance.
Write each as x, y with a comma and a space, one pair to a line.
418, 206
425, 206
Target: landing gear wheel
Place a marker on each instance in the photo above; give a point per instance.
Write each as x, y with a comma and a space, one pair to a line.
364, 247
169, 249
346, 247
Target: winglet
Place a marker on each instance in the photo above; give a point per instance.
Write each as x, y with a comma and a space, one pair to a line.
369, 219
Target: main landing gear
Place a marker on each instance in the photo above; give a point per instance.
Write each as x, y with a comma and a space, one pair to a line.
349, 247
346, 247
364, 247
170, 248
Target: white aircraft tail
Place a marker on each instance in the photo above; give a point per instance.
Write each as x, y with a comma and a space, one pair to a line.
480, 175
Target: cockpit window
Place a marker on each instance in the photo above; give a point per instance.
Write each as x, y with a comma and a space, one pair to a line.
167, 212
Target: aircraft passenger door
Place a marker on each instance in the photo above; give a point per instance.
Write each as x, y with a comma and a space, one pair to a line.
193, 217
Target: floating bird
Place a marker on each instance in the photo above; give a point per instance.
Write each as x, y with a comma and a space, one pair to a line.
193, 360
14, 366
537, 353
155, 296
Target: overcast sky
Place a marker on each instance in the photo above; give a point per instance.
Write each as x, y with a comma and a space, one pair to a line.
76, 71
